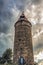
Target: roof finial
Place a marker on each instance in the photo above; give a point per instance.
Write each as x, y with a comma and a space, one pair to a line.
23, 13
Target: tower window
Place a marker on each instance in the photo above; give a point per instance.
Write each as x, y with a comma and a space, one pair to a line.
16, 49
23, 43
19, 39
22, 16
20, 48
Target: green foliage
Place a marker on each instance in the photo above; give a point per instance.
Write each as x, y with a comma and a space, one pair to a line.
6, 64
7, 54
2, 60
6, 57
35, 63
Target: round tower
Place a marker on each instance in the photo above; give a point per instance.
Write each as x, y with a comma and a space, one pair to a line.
23, 41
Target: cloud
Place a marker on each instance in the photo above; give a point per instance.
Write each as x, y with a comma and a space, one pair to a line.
8, 14
5, 42
38, 42
39, 33
38, 57
10, 11
36, 1
22, 5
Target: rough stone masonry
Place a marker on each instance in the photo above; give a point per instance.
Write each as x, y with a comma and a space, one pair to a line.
23, 41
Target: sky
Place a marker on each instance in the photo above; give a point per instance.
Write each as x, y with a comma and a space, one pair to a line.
10, 11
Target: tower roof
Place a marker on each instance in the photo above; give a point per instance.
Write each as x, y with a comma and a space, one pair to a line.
23, 18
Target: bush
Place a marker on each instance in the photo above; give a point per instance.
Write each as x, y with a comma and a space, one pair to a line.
6, 57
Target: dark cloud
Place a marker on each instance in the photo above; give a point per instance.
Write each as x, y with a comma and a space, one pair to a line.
22, 4
1, 4
36, 1
4, 19
3, 27
8, 13
38, 47
2, 47
5, 42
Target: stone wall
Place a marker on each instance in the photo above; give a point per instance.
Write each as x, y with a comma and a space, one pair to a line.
23, 43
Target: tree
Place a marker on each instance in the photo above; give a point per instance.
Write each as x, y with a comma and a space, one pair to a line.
7, 55
35, 63
2, 61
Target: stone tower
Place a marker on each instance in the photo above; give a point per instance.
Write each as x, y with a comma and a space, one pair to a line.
23, 41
